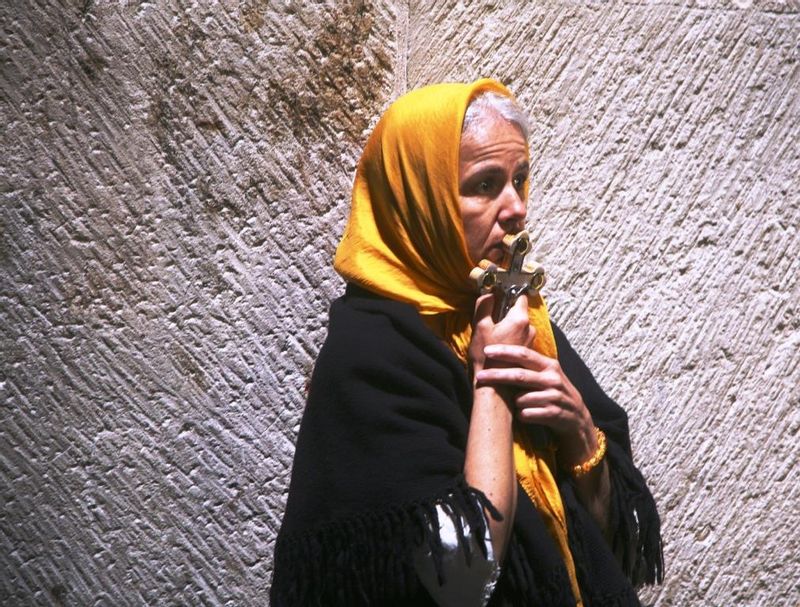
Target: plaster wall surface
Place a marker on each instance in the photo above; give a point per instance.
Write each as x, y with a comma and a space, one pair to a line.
175, 178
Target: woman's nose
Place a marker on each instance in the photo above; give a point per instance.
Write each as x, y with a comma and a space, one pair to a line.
514, 210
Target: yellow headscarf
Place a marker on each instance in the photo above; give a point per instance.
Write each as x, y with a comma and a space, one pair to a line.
405, 241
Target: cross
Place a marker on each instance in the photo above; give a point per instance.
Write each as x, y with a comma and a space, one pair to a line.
509, 283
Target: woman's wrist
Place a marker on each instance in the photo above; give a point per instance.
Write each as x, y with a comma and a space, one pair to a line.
585, 467
579, 447
491, 396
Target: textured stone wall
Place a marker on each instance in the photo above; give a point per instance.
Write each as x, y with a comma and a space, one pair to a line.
175, 177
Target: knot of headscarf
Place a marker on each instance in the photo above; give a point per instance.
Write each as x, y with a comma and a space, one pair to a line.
405, 241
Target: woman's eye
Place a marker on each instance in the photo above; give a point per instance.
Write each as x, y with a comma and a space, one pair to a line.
484, 186
519, 182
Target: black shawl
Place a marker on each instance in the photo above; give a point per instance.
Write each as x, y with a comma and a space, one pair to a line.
382, 441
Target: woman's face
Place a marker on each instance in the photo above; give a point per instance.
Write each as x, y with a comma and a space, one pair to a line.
492, 175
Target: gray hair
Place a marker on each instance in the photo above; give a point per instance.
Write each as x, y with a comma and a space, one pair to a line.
490, 102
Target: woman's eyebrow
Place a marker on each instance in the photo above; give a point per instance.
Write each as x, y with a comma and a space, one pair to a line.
491, 165
486, 168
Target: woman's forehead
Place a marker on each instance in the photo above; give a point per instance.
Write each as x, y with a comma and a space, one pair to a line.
492, 134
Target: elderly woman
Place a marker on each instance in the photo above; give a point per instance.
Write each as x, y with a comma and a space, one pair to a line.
446, 458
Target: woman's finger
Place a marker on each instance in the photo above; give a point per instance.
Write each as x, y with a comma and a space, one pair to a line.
547, 415
509, 376
539, 398
520, 308
521, 355
522, 376
484, 306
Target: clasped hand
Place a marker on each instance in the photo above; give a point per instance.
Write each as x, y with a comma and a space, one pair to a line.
534, 385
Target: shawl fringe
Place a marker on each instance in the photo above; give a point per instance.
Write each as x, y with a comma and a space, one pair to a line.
368, 559
626, 597
637, 541
521, 584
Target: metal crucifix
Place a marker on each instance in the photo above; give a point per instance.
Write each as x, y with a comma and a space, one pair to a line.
509, 284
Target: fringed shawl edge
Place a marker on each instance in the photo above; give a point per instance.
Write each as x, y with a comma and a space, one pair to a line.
367, 559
